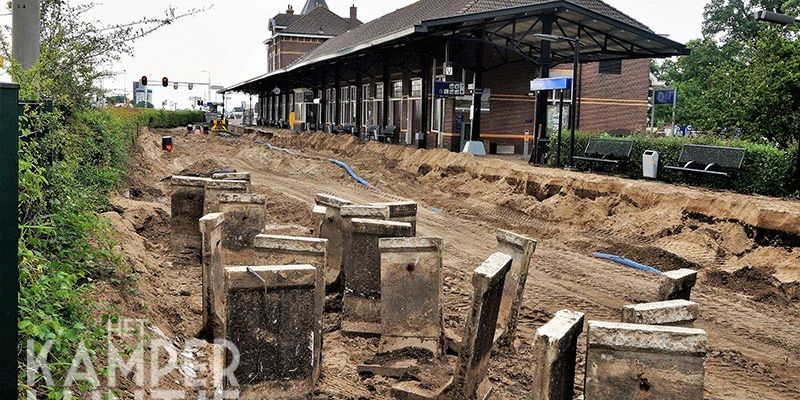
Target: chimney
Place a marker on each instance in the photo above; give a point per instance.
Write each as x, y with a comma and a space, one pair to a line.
353, 17
290, 10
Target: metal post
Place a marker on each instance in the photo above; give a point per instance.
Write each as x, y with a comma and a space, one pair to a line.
477, 96
338, 103
9, 235
674, 106
573, 107
540, 116
26, 31
560, 127
425, 61
359, 102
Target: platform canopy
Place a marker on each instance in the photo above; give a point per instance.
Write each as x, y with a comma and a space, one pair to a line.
506, 30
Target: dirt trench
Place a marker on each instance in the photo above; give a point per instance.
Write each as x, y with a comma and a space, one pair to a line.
754, 340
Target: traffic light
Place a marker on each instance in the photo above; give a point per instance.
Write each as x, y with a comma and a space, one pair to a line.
199, 102
143, 81
191, 86
175, 85
165, 82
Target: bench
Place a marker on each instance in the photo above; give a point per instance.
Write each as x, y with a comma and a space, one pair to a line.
711, 160
607, 151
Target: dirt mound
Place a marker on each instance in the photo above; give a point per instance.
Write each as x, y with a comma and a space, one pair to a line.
204, 168
759, 284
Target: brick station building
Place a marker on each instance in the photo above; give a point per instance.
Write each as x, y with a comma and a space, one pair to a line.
381, 75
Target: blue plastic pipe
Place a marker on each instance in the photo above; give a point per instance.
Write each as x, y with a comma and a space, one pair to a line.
351, 172
628, 263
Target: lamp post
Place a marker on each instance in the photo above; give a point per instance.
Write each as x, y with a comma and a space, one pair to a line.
776, 18
208, 98
576, 42
785, 20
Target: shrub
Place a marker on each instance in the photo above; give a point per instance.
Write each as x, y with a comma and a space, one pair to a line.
766, 170
65, 176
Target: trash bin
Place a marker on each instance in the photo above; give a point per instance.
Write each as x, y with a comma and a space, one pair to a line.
650, 160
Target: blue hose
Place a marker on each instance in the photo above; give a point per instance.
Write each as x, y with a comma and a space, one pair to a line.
628, 263
351, 172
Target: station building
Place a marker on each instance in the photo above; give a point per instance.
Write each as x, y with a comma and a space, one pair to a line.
383, 75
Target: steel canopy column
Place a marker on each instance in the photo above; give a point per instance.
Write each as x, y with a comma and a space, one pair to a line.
323, 104
359, 102
474, 145
425, 62
540, 129
387, 81
338, 106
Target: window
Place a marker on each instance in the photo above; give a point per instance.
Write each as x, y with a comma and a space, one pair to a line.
378, 104
397, 89
353, 104
416, 88
610, 67
344, 107
366, 109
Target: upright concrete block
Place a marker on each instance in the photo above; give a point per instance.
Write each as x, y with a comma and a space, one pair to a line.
521, 249
628, 361
671, 312
288, 250
213, 277
188, 199
214, 187
348, 213
411, 294
232, 176
402, 211
331, 229
470, 378
245, 217
677, 285
271, 319
556, 346
361, 308
319, 216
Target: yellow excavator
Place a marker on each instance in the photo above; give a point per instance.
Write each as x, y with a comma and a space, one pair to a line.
219, 125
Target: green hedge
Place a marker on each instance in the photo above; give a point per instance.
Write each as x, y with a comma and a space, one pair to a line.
164, 118
766, 170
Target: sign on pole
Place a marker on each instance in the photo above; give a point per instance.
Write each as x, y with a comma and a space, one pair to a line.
664, 96
448, 89
542, 84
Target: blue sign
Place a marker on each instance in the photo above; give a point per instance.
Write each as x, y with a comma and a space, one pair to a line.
448, 89
664, 96
538, 85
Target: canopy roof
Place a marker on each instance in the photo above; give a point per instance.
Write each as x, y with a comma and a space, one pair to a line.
509, 26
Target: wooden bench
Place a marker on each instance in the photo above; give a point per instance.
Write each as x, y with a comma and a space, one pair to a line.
711, 160
607, 151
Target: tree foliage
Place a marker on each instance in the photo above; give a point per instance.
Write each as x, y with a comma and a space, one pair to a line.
77, 52
742, 75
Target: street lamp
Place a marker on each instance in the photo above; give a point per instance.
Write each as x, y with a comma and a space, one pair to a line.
573, 106
776, 18
208, 98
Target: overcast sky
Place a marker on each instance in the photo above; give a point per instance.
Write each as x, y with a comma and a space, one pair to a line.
228, 40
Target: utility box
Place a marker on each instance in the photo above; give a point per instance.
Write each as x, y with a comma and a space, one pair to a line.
650, 160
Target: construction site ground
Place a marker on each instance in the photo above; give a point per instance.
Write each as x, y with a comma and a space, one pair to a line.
747, 249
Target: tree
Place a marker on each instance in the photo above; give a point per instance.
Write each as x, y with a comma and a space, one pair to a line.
78, 52
742, 75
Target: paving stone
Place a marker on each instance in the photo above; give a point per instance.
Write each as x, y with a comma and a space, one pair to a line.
402, 211
331, 229
289, 250
411, 294
232, 176
677, 284
213, 277
187, 203
521, 249
361, 311
245, 217
671, 312
556, 346
348, 213
271, 320
214, 187
470, 378
629, 361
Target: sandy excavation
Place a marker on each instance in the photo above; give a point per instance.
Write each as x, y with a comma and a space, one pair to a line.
746, 249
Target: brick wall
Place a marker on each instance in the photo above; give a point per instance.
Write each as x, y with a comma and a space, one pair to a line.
615, 103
